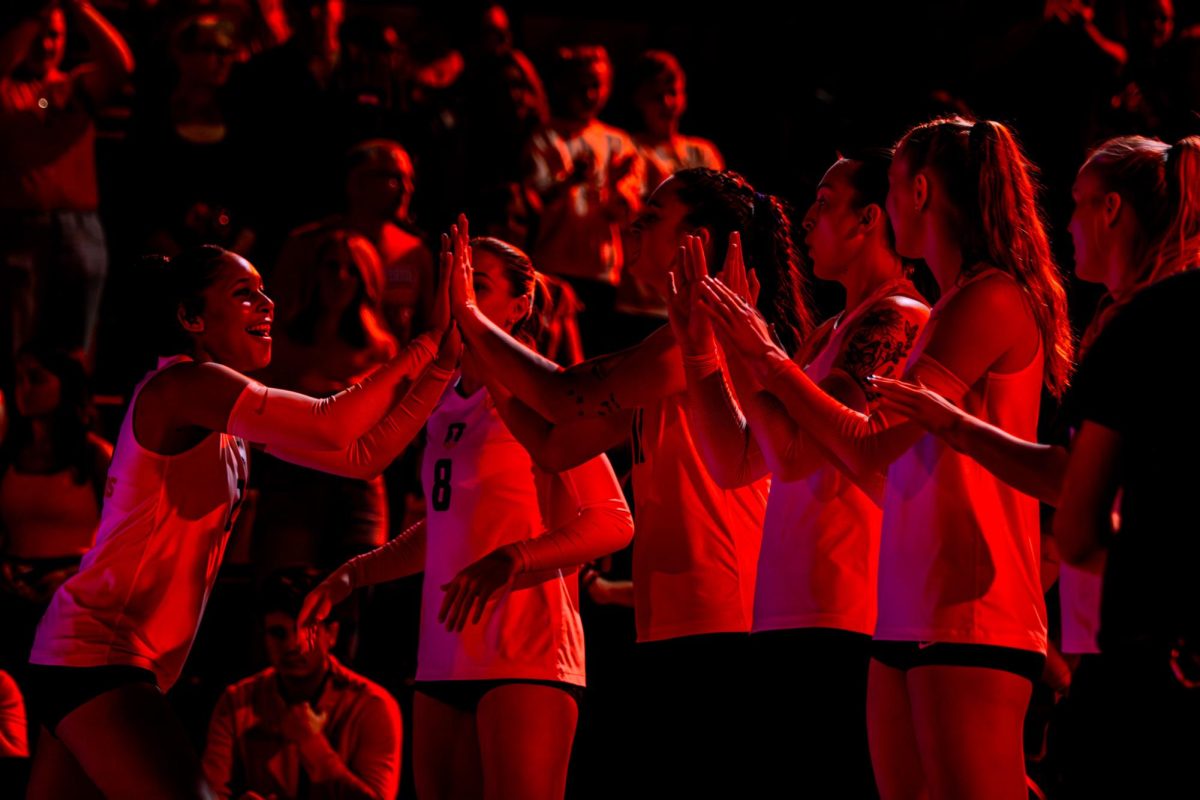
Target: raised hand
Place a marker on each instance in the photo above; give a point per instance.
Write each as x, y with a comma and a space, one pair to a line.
693, 330
743, 282
320, 601
301, 721
462, 287
473, 586
923, 406
741, 328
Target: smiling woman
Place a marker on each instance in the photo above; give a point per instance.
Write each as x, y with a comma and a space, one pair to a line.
116, 635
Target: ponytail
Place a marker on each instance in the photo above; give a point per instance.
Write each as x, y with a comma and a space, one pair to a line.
992, 190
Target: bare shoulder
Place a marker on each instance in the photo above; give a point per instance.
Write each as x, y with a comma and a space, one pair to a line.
996, 292
192, 376
909, 308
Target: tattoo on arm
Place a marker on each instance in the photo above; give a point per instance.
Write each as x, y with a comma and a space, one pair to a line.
879, 346
606, 406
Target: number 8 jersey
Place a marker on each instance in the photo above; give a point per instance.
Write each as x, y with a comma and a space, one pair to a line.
482, 492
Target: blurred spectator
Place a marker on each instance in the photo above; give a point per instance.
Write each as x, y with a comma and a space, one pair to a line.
329, 336
52, 480
306, 726
188, 176
284, 120
367, 82
378, 189
52, 248
660, 95
506, 105
590, 181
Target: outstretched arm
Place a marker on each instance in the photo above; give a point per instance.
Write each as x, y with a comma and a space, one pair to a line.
975, 331
1031, 467
598, 387
589, 519
370, 454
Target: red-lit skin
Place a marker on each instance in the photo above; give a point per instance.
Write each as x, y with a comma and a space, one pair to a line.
45, 53
37, 390
653, 242
37, 395
144, 750
329, 362
847, 243
662, 103
319, 31
1106, 234
1104, 237
906, 194
1159, 23
495, 29
338, 283
535, 761
524, 731
206, 64
494, 298
949, 731
233, 304
300, 659
380, 193
590, 92
525, 98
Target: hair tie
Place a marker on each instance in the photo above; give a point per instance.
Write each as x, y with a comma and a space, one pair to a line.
758, 199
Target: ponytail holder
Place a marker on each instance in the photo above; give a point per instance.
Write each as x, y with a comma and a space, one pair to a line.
980, 132
758, 199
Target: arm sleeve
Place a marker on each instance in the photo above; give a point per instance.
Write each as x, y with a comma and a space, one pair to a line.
399, 558
587, 514
372, 452
599, 387
286, 419
862, 442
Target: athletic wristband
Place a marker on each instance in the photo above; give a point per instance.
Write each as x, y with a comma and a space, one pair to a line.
703, 363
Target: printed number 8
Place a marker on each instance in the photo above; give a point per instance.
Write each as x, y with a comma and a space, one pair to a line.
441, 484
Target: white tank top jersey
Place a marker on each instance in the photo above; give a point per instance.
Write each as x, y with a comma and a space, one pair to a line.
820, 551
482, 492
140, 591
960, 554
695, 547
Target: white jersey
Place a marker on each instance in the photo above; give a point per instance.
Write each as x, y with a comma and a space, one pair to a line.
482, 492
140, 591
695, 552
960, 558
820, 553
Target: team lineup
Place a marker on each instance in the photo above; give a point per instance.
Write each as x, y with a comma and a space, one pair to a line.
836, 534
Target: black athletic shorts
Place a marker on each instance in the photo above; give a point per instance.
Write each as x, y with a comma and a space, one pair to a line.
52, 692
465, 695
906, 655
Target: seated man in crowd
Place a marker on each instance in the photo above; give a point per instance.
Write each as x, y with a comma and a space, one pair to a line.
306, 726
